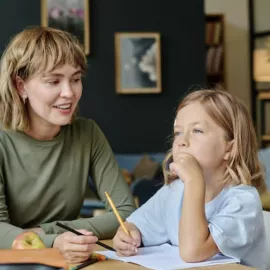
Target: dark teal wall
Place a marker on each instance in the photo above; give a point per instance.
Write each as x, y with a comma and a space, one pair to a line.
137, 123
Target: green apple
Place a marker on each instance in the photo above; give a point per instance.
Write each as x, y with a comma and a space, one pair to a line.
28, 240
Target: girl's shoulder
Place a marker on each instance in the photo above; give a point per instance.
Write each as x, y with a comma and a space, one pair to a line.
175, 188
177, 184
242, 191
240, 196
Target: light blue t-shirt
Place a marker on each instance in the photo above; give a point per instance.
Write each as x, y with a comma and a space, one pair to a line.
235, 220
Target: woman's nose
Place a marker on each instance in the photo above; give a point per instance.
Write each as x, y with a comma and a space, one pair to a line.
67, 91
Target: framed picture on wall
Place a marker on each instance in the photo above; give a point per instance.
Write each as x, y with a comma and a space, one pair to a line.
138, 63
69, 15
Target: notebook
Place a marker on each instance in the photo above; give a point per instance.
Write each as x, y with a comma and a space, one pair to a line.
166, 257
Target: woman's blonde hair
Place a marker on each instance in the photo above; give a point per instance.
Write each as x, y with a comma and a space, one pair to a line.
36, 50
243, 166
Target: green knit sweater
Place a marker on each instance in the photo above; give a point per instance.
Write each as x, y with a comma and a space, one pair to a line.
42, 182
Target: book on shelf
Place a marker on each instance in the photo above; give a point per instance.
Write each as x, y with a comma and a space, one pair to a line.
213, 33
215, 50
214, 58
217, 33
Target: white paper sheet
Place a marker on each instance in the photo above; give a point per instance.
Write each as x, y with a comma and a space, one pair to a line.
166, 257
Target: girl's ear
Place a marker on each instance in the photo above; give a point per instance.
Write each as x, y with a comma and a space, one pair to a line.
19, 84
228, 150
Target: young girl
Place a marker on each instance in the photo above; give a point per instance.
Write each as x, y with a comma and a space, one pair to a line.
209, 203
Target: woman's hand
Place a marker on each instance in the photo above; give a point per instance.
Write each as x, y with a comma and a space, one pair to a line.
124, 244
186, 167
75, 248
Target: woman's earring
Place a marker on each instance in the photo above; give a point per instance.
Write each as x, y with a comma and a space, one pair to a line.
24, 99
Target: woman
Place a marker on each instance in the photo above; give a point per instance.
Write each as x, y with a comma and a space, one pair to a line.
46, 154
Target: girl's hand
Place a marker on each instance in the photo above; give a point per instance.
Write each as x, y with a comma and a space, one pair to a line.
75, 248
124, 244
186, 167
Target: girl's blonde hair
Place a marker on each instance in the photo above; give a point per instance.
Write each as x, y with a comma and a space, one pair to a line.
243, 166
36, 50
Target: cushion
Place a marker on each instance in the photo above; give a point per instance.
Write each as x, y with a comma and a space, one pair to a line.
265, 198
127, 175
146, 168
264, 156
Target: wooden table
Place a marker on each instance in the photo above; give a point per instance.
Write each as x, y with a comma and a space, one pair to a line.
118, 265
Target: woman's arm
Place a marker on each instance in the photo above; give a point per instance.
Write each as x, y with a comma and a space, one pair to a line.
107, 176
8, 232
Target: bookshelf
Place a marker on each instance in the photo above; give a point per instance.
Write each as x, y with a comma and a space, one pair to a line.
215, 50
260, 69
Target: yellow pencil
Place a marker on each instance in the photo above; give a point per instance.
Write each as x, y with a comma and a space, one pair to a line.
117, 214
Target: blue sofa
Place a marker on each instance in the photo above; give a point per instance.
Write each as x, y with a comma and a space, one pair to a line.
129, 161
141, 188
264, 156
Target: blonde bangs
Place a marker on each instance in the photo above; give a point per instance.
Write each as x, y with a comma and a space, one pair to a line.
50, 49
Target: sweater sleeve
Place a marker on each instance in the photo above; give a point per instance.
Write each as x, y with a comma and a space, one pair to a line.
107, 176
8, 232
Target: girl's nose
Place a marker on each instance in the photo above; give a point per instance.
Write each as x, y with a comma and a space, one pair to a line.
183, 141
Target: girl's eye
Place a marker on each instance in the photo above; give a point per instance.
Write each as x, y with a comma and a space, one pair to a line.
177, 133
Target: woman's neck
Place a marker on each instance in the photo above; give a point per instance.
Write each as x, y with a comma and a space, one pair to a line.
43, 132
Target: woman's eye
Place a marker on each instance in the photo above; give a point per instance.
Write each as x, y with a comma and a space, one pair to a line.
53, 82
197, 130
76, 80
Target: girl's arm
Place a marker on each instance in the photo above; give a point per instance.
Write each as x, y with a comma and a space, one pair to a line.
195, 241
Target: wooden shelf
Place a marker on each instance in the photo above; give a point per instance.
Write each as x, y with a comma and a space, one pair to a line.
264, 95
261, 34
216, 74
260, 75
215, 49
266, 138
